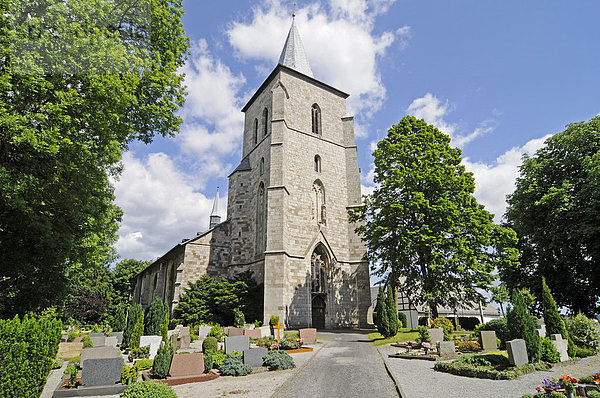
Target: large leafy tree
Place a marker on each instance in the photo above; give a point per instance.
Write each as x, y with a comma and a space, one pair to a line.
423, 228
79, 80
555, 210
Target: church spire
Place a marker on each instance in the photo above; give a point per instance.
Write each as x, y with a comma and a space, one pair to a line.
215, 218
293, 55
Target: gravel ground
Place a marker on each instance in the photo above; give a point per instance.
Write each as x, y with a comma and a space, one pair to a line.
416, 379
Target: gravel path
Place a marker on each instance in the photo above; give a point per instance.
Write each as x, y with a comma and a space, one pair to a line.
416, 379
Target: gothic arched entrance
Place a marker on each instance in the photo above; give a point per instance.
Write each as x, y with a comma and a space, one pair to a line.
318, 312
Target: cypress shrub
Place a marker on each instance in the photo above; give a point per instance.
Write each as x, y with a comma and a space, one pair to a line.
162, 361
136, 335
392, 313
155, 317
553, 320
378, 309
402, 320
210, 343
133, 313
382, 314
548, 352
27, 351
208, 361
119, 320
521, 325
165, 325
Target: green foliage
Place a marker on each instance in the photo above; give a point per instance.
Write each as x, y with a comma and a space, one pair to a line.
133, 372
554, 210
423, 334
87, 342
273, 321
582, 352
552, 319
557, 394
527, 396
234, 366
278, 359
238, 318
155, 317
423, 223
208, 300
445, 324
216, 331
210, 343
500, 295
583, 332
134, 313
548, 352
164, 329
401, 320
58, 363
120, 278
487, 372
73, 98
381, 321
149, 389
593, 394
521, 324
208, 360
137, 333
498, 326
218, 358
392, 313
162, 361
119, 320
483, 360
27, 351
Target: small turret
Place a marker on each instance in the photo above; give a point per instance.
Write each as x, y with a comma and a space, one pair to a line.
215, 218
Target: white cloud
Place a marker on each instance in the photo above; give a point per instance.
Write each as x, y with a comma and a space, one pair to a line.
340, 43
496, 180
434, 111
161, 206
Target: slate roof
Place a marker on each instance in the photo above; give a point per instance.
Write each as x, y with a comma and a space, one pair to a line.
293, 55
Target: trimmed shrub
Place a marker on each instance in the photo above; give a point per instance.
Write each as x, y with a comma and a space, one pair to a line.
392, 313
136, 335
583, 352
381, 318
87, 342
238, 318
119, 320
583, 332
162, 361
554, 322
401, 319
521, 325
485, 372
133, 314
498, 326
445, 324
483, 360
210, 343
208, 360
234, 366
273, 321
278, 359
424, 334
548, 351
149, 389
593, 394
155, 317
27, 351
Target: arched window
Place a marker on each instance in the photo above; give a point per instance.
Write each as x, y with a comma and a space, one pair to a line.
316, 119
255, 131
319, 264
261, 220
317, 163
265, 122
319, 202
262, 166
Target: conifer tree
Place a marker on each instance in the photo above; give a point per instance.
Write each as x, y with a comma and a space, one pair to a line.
552, 319
522, 325
392, 313
133, 313
382, 314
155, 317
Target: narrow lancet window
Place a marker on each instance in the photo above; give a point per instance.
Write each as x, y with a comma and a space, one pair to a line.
316, 119
262, 166
255, 132
265, 122
317, 163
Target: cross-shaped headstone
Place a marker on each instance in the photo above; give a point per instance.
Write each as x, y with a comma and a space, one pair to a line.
278, 327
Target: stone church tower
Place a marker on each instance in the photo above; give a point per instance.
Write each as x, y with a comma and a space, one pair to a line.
288, 202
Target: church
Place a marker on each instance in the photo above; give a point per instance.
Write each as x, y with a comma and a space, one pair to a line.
287, 208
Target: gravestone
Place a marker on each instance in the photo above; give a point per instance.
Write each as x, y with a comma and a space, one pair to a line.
203, 331
153, 342
561, 346
541, 330
187, 364
436, 335
101, 371
185, 341
235, 332
69, 350
99, 352
119, 336
265, 331
236, 343
254, 356
110, 341
308, 335
98, 339
447, 349
488, 340
96, 334
517, 352
253, 333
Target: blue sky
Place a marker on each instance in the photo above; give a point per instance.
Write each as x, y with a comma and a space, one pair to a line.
497, 76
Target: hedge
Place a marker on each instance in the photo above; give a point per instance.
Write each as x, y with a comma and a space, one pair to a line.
27, 351
485, 372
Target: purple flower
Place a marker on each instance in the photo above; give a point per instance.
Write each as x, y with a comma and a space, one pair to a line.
426, 345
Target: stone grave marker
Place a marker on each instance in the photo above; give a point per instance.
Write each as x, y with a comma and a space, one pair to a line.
265, 331
203, 331
236, 343
517, 352
447, 349
101, 371
436, 335
541, 330
69, 350
174, 341
488, 340
561, 346
235, 332
153, 342
187, 364
99, 352
185, 341
98, 339
308, 335
254, 356
253, 333
119, 336
110, 341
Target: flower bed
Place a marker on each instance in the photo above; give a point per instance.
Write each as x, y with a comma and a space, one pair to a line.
488, 366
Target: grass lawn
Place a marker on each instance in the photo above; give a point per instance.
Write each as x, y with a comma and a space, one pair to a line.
403, 334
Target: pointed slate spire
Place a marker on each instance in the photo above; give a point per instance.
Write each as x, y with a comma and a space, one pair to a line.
215, 218
293, 55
